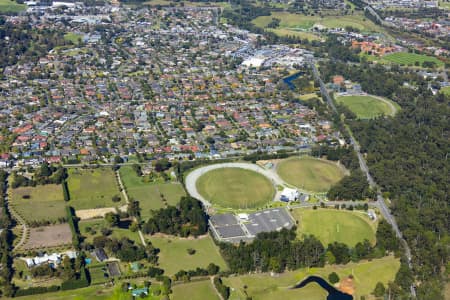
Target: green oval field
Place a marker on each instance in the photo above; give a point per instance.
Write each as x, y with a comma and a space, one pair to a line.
330, 225
235, 188
368, 107
308, 173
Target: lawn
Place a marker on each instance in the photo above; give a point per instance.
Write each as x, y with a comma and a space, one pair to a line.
299, 21
149, 194
265, 287
97, 225
297, 33
235, 188
73, 37
97, 274
93, 188
200, 290
409, 59
331, 225
368, 107
174, 256
89, 293
311, 174
446, 90
7, 6
45, 202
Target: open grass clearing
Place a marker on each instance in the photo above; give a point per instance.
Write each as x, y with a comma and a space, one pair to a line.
446, 90
332, 225
265, 287
410, 59
92, 228
297, 33
93, 188
151, 196
311, 174
175, 257
235, 188
42, 202
368, 107
8, 6
199, 290
73, 37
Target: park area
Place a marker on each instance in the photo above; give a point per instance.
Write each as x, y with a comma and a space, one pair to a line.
93, 188
235, 188
151, 195
11, 6
412, 59
39, 203
365, 274
331, 225
368, 107
200, 290
310, 174
174, 254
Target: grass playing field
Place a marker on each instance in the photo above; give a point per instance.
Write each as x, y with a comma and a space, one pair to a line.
11, 6
265, 287
93, 188
200, 290
331, 225
174, 256
298, 21
409, 59
292, 32
235, 188
149, 194
45, 202
308, 173
368, 107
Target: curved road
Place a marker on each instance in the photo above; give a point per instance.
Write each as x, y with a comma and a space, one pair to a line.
192, 177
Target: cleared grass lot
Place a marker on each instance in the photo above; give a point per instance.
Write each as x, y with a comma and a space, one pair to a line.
149, 194
200, 290
93, 188
368, 107
308, 173
404, 58
42, 202
265, 287
235, 188
174, 256
7, 6
331, 225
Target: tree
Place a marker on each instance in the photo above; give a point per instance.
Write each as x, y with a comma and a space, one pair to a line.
212, 269
379, 290
112, 219
333, 277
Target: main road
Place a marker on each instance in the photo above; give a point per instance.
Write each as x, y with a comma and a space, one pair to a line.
381, 204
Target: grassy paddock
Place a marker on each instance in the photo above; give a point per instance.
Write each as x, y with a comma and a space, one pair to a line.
308, 173
265, 287
200, 290
174, 257
368, 107
235, 188
404, 58
331, 225
93, 188
45, 202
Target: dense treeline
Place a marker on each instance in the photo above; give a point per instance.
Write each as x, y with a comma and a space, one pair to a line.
223, 290
126, 249
188, 218
352, 187
45, 174
6, 239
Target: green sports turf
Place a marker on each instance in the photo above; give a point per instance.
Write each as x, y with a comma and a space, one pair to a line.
308, 173
404, 58
368, 107
331, 225
235, 188
174, 257
93, 188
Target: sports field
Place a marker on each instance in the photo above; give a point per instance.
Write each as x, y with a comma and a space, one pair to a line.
265, 287
331, 225
93, 188
200, 290
299, 21
368, 107
42, 202
409, 59
308, 173
11, 6
149, 194
174, 256
235, 188
297, 33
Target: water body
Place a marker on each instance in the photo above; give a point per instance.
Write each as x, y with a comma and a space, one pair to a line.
333, 294
288, 80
